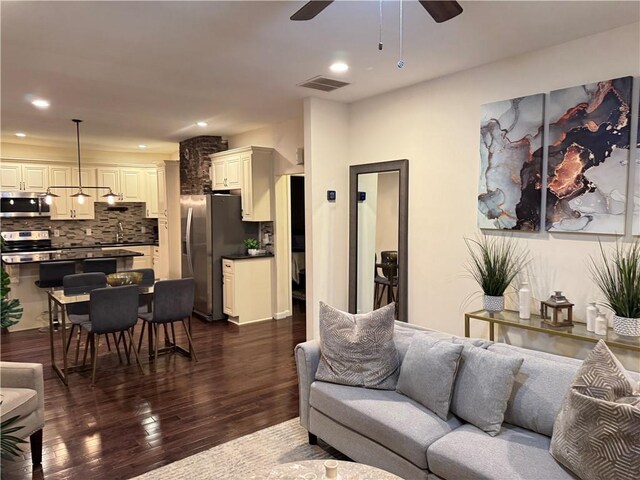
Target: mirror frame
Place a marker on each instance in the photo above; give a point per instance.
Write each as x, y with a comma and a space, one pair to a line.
402, 167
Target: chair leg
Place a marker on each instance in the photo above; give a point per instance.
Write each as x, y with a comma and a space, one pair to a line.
78, 345
36, 447
95, 344
313, 440
115, 341
127, 348
66, 350
155, 349
173, 336
86, 347
144, 325
192, 350
131, 342
134, 351
108, 344
166, 335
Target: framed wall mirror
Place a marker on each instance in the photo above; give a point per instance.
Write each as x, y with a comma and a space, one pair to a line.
378, 227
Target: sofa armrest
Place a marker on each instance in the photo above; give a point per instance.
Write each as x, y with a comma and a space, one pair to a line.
307, 358
23, 375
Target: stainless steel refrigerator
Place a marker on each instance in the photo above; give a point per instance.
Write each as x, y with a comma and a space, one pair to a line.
212, 226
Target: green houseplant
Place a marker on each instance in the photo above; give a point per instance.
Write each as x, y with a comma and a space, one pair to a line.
617, 275
9, 443
494, 263
252, 246
10, 310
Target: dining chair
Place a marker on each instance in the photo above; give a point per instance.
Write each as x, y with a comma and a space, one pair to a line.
172, 302
388, 281
78, 313
112, 310
104, 265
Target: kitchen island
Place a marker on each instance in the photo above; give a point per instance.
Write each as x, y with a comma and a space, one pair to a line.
23, 270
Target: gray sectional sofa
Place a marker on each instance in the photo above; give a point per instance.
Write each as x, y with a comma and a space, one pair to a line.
388, 430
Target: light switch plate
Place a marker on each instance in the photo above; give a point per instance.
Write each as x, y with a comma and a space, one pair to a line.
144, 229
56, 233
87, 232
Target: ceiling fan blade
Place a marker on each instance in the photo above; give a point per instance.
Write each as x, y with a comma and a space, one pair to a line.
311, 9
441, 11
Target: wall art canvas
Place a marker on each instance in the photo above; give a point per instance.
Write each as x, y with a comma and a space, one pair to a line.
636, 193
511, 134
588, 157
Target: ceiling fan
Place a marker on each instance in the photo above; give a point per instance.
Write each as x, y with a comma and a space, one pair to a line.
441, 11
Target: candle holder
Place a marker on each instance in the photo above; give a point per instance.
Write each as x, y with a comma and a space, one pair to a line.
557, 303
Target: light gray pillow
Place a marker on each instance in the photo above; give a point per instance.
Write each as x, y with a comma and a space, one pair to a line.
483, 386
597, 432
358, 350
428, 371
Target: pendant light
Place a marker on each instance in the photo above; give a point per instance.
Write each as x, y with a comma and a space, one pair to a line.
80, 195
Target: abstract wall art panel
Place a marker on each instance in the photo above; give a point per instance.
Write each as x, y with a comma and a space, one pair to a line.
588, 156
510, 193
636, 193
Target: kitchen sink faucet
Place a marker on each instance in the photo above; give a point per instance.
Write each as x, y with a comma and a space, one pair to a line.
119, 233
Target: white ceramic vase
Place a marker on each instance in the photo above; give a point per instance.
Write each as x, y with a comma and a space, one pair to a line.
253, 251
493, 304
629, 327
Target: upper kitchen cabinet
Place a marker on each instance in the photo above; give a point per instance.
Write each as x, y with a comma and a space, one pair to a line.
132, 184
226, 171
162, 192
151, 192
110, 177
26, 177
64, 207
252, 168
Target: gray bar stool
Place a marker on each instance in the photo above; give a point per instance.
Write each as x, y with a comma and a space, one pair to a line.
104, 265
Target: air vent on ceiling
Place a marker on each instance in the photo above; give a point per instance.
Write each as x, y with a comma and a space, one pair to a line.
323, 83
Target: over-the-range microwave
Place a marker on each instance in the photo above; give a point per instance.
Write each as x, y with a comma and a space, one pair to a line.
23, 204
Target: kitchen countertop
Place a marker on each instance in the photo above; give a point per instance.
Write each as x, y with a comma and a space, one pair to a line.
107, 244
245, 256
69, 254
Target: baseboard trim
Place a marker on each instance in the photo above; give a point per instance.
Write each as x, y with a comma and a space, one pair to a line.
281, 315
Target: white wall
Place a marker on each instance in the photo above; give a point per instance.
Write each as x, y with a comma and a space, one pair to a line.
326, 223
435, 125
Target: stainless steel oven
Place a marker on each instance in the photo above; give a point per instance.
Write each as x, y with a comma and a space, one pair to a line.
23, 204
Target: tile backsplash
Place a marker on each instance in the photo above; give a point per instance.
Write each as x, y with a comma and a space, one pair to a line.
103, 227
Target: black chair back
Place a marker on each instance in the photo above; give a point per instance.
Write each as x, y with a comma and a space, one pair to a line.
173, 300
52, 273
104, 265
390, 257
79, 284
113, 309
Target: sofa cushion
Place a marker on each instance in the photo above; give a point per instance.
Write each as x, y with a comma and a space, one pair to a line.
597, 432
515, 453
483, 386
358, 350
428, 371
386, 417
17, 401
540, 386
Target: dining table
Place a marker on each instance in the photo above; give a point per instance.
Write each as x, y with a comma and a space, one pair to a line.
58, 302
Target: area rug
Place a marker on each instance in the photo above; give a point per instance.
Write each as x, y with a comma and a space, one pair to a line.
248, 457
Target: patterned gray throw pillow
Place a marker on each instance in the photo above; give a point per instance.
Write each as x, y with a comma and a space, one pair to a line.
428, 371
358, 350
596, 435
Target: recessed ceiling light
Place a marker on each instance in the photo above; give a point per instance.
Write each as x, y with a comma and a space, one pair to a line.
339, 67
40, 103
142, 146
21, 134
202, 124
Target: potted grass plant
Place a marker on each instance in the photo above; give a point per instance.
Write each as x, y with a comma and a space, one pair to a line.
617, 275
253, 246
495, 261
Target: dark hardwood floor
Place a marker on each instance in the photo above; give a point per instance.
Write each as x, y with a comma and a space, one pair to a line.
128, 424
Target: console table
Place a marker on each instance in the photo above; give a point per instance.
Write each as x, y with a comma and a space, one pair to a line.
578, 331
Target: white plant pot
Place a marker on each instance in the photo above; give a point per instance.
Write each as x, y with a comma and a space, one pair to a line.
493, 304
253, 251
629, 327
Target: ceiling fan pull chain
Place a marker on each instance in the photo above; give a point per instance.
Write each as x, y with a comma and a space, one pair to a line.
401, 61
380, 39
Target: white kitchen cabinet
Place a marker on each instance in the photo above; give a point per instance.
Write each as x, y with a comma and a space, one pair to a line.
253, 168
162, 193
151, 192
109, 177
27, 177
132, 185
247, 289
226, 172
161, 252
64, 207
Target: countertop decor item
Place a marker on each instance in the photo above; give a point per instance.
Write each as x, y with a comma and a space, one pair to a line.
601, 324
124, 278
524, 301
617, 275
252, 245
495, 262
557, 303
592, 313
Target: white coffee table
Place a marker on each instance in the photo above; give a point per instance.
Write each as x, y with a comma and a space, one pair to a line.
314, 470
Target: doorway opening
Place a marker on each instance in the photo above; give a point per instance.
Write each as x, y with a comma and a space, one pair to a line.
298, 273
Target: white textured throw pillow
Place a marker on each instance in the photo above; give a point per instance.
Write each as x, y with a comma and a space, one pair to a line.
358, 350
